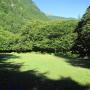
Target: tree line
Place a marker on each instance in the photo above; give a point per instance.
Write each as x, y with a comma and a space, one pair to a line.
40, 35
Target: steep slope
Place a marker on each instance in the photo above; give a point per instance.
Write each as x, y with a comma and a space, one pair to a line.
14, 13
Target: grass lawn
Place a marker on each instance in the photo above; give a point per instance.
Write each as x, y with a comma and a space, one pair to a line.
51, 66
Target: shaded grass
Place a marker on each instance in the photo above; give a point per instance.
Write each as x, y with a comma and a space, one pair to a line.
75, 60
51, 66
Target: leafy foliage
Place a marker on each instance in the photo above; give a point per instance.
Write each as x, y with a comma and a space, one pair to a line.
6, 39
49, 36
82, 45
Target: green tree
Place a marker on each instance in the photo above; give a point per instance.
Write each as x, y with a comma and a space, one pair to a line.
82, 45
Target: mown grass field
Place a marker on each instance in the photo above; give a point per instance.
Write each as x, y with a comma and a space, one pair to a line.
51, 66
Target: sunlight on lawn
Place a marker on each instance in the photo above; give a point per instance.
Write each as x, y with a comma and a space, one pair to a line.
51, 66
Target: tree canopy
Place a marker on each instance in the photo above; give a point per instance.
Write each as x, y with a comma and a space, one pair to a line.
82, 45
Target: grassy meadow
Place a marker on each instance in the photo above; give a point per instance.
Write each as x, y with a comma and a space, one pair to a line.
51, 66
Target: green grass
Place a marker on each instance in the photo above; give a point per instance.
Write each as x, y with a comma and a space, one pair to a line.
53, 67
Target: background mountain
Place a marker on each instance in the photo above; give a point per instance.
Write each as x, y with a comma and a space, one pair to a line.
14, 13
51, 17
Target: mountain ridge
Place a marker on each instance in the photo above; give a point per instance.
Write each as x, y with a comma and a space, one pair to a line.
14, 13
52, 17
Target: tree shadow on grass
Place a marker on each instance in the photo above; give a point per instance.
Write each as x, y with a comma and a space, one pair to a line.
85, 63
6, 56
12, 79
81, 62
6, 66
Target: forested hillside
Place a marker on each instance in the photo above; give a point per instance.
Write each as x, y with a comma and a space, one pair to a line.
14, 13
23, 27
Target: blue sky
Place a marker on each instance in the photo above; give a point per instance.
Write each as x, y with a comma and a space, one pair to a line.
65, 8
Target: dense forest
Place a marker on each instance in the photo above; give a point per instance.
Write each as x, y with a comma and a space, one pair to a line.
23, 27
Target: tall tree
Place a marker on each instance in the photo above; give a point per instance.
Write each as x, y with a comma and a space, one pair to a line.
82, 45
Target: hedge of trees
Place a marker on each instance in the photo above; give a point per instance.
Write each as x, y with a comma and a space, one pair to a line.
50, 36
